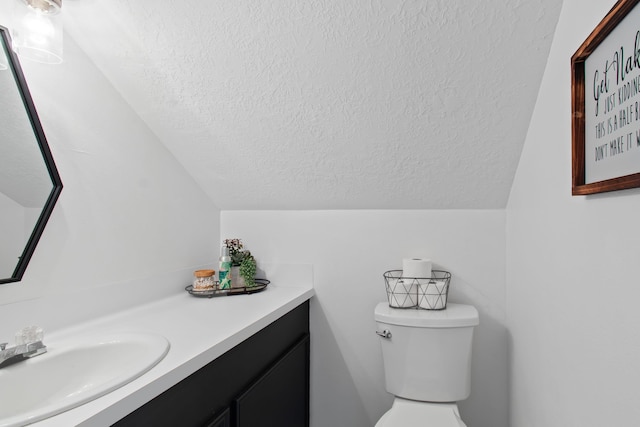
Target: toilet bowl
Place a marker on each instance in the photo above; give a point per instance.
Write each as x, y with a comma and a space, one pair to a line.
427, 363
411, 413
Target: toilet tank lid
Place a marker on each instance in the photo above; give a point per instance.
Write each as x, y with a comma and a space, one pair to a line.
454, 316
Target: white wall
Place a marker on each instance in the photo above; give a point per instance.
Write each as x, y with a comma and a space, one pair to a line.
128, 215
572, 268
350, 250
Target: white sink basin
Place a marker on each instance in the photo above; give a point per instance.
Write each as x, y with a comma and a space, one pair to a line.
74, 372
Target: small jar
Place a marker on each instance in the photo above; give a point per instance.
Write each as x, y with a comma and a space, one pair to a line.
203, 280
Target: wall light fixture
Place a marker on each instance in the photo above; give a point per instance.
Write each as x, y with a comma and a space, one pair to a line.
37, 30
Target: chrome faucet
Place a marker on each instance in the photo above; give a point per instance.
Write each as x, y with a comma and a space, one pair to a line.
28, 344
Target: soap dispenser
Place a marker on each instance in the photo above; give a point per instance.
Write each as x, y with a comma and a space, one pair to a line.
224, 273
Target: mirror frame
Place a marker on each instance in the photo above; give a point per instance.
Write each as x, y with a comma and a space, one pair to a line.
30, 109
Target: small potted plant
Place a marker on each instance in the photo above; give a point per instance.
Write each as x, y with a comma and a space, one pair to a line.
243, 264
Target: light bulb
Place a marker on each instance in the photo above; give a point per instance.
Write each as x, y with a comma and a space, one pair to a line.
39, 29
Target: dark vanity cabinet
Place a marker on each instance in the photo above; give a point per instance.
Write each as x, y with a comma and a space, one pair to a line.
262, 382
222, 420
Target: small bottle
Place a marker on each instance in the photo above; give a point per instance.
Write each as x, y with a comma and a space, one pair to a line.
224, 273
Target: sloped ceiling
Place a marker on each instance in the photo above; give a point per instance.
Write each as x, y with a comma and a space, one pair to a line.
330, 104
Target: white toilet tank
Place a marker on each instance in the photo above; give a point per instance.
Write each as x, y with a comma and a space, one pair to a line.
427, 354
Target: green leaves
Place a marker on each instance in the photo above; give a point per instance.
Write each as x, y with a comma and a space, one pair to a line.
248, 271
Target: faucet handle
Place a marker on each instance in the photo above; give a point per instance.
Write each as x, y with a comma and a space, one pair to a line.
3, 345
29, 335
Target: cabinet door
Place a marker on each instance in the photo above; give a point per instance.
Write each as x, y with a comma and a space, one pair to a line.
222, 420
280, 397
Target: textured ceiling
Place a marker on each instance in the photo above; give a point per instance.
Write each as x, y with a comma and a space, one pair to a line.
330, 104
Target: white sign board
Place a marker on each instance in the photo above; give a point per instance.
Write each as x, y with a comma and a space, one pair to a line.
612, 103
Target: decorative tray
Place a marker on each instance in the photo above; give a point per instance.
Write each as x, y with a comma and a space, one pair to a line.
260, 285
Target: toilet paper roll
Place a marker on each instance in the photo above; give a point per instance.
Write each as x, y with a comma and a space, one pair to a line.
402, 293
433, 295
416, 267
432, 302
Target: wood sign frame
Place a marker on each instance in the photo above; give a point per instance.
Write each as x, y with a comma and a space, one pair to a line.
605, 104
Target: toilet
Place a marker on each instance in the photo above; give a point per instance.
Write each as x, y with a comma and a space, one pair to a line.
427, 363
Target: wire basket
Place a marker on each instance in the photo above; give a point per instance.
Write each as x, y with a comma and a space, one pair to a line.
427, 293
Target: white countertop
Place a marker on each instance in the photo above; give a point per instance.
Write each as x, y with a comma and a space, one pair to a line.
198, 329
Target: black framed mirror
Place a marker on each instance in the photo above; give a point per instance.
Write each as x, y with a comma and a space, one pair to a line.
29, 181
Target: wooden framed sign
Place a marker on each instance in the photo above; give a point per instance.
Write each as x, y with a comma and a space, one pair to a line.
605, 102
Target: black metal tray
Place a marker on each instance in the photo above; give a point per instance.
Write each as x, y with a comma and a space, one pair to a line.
260, 285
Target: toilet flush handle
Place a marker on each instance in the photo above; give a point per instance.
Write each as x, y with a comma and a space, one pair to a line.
384, 334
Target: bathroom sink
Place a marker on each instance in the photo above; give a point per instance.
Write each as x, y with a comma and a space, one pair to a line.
73, 372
